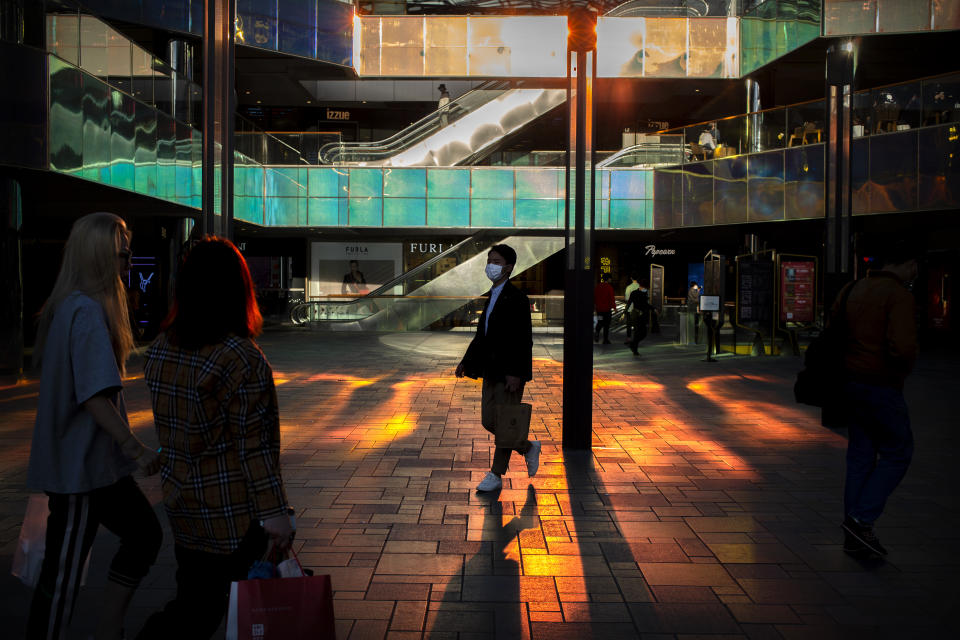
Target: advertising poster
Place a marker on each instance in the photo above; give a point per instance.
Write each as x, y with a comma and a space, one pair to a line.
656, 287
797, 291
755, 291
334, 273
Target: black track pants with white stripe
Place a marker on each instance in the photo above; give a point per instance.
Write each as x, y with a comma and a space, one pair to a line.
71, 528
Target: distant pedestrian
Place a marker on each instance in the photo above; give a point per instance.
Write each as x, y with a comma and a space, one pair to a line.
501, 353
633, 286
215, 407
443, 105
638, 308
879, 353
83, 453
693, 308
604, 303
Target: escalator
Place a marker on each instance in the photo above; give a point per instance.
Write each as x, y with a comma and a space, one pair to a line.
460, 130
445, 284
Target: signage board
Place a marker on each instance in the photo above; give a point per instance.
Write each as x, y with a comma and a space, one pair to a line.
797, 289
709, 303
378, 262
656, 287
755, 291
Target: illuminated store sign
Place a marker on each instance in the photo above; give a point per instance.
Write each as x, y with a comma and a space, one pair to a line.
337, 115
651, 250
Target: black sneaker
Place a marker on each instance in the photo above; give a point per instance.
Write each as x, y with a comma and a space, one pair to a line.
863, 534
853, 546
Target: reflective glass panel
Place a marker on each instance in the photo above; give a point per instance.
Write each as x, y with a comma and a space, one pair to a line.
893, 172
322, 212
122, 145
665, 48
698, 194
939, 169
491, 213
730, 190
448, 212
804, 182
404, 212
66, 117
765, 186
366, 212
629, 214
537, 213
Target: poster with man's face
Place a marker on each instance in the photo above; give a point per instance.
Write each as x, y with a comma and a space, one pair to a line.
353, 268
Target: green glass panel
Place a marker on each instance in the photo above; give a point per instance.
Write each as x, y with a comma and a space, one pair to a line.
536, 184
537, 213
283, 212
322, 212
491, 213
404, 183
629, 214
167, 157
184, 168
448, 183
324, 182
366, 183
284, 182
628, 184
404, 212
121, 140
66, 117
249, 209
96, 130
365, 212
491, 183
448, 212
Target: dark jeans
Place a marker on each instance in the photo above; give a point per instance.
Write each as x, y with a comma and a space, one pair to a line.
640, 322
203, 589
71, 528
603, 322
879, 448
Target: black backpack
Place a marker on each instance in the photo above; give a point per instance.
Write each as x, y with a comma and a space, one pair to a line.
820, 383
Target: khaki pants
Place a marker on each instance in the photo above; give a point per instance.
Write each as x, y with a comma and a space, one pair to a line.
493, 394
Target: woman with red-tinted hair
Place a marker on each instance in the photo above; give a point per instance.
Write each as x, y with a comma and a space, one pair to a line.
215, 407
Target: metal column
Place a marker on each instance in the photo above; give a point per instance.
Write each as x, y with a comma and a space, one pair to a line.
218, 109
578, 289
838, 258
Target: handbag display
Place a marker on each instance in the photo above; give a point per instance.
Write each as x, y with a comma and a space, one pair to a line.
512, 424
298, 607
820, 383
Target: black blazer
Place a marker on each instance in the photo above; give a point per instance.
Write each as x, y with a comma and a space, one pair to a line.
506, 348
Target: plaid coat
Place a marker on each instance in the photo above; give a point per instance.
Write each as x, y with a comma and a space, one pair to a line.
216, 415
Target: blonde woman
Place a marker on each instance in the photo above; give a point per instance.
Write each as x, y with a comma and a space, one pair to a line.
83, 451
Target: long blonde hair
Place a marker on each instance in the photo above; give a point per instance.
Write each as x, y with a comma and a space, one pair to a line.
90, 266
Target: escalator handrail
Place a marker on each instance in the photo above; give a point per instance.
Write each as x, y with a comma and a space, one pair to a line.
429, 121
643, 146
409, 135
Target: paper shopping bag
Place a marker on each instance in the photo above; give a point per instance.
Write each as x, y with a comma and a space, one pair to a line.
281, 609
512, 424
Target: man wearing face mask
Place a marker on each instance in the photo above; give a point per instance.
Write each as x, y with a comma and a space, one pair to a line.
880, 349
502, 354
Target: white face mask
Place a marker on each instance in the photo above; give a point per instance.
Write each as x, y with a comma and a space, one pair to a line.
494, 271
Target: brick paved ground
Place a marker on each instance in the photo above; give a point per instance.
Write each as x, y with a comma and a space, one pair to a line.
709, 506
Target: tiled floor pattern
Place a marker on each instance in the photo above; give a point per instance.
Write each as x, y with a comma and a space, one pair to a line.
709, 506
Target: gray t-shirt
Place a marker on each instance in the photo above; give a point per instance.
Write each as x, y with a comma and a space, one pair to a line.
70, 452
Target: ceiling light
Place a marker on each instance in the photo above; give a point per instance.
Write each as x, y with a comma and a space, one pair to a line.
247, 92
259, 101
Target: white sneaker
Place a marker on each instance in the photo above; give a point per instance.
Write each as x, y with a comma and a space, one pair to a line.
490, 482
533, 458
